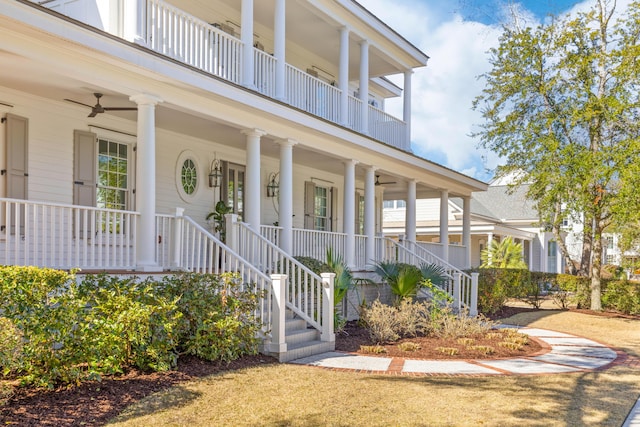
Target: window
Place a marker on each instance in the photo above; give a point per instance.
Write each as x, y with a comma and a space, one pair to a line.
189, 176
113, 175
320, 209
394, 204
233, 182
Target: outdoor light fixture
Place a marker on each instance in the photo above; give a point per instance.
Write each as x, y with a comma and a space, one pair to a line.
273, 185
215, 174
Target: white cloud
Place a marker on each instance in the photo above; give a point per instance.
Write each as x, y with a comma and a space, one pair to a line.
442, 119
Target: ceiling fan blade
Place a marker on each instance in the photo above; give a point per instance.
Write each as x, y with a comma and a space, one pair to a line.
93, 112
79, 103
119, 108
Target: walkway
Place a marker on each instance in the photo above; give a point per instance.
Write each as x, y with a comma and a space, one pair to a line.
567, 353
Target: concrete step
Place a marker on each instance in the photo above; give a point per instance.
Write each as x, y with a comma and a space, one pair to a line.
294, 324
301, 335
306, 349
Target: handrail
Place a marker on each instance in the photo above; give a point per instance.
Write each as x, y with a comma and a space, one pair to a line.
304, 293
202, 252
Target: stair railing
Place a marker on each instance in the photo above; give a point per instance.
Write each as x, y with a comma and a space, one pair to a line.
307, 294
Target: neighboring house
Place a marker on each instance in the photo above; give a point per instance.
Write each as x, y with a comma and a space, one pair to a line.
125, 122
495, 214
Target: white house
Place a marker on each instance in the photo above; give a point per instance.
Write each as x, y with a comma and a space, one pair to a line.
125, 121
495, 214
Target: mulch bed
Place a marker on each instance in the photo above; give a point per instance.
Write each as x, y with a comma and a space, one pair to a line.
95, 403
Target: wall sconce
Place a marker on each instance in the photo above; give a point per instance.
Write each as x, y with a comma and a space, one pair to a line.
273, 184
215, 174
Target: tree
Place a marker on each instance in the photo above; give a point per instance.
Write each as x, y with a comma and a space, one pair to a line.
503, 254
561, 107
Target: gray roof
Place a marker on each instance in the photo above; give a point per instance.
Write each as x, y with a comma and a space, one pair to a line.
504, 203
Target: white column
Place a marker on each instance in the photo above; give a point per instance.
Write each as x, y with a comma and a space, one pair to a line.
406, 111
146, 182
349, 215
410, 212
444, 224
364, 85
343, 76
279, 47
252, 196
286, 194
246, 35
466, 229
134, 19
369, 214
531, 254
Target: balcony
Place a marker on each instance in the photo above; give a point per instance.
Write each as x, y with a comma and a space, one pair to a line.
183, 37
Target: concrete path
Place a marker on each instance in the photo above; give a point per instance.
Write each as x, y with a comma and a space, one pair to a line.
567, 353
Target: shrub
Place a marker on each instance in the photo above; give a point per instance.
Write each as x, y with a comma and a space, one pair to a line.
381, 322
218, 321
10, 347
451, 326
413, 319
622, 295
497, 285
129, 322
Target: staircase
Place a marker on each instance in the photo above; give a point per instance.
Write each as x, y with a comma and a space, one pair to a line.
302, 341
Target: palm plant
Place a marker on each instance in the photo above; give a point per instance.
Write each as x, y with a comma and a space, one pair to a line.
434, 273
341, 285
403, 279
503, 254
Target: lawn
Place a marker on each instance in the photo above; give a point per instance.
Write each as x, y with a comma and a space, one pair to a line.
291, 395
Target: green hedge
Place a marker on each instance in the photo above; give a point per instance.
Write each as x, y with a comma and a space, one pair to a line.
495, 286
54, 330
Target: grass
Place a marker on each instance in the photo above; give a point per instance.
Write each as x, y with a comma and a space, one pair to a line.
292, 395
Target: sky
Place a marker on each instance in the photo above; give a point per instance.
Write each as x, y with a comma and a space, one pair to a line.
456, 35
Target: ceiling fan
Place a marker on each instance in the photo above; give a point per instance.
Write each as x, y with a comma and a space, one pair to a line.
97, 109
382, 183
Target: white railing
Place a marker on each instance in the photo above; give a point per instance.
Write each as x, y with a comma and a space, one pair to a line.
311, 94
66, 236
360, 257
199, 251
183, 37
354, 114
304, 294
458, 256
434, 248
271, 233
385, 127
314, 244
164, 245
265, 73
461, 286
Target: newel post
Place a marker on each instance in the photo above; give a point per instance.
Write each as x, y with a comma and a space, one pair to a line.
457, 303
278, 310
327, 333
473, 307
178, 225
231, 231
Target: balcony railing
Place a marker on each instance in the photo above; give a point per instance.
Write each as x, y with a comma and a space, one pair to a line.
185, 38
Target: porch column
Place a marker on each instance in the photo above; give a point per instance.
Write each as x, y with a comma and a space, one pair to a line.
530, 254
489, 240
279, 47
286, 194
146, 182
406, 111
343, 76
370, 215
349, 215
363, 92
444, 224
466, 229
134, 19
410, 212
252, 185
246, 35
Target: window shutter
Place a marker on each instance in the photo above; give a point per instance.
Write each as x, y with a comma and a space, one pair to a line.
17, 137
334, 209
357, 212
309, 205
84, 168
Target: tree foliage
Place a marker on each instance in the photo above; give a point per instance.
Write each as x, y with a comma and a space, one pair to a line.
561, 106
